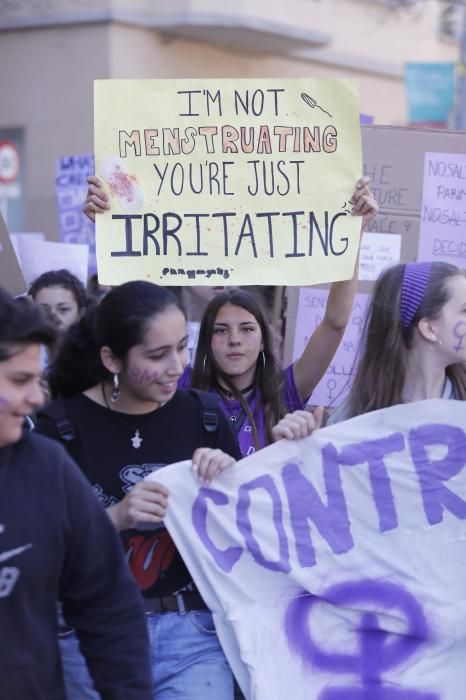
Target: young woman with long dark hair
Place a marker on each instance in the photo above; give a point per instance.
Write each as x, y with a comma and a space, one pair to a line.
131, 420
235, 356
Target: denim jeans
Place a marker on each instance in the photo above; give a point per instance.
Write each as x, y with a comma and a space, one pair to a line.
187, 660
78, 683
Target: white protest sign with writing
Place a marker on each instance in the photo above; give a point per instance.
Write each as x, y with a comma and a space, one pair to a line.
37, 257
334, 565
244, 181
338, 377
71, 190
442, 234
378, 251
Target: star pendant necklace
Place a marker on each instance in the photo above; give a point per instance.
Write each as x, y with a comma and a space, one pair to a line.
136, 439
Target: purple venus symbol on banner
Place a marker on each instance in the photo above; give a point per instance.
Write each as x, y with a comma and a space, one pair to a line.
459, 332
378, 650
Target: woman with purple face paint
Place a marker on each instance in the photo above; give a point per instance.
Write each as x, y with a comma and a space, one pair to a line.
414, 340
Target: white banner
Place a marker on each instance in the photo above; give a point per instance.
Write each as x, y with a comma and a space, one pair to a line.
335, 566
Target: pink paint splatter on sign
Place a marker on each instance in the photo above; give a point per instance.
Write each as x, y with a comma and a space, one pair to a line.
122, 184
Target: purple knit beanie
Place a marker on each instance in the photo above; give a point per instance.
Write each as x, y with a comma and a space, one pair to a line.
413, 288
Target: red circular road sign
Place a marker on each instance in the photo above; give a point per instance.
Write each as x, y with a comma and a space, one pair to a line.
9, 161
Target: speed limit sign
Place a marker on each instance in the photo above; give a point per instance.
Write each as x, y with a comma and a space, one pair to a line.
9, 161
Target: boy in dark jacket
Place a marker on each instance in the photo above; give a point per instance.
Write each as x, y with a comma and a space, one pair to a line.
56, 544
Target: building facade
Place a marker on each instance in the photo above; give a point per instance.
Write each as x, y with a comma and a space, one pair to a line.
52, 50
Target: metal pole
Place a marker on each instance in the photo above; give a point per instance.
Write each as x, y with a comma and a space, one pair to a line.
460, 91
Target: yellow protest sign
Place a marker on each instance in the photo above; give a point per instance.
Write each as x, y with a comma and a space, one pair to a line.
227, 181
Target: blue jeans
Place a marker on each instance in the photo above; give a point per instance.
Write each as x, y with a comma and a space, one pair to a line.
187, 660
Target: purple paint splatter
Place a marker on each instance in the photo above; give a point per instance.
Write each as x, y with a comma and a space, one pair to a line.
379, 651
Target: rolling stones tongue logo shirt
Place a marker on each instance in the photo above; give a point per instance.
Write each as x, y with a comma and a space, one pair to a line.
151, 554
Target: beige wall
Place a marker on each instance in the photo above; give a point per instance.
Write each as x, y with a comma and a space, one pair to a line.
46, 81
153, 56
47, 73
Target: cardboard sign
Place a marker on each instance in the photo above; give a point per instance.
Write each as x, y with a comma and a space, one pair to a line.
336, 382
71, 190
227, 181
334, 566
11, 275
394, 159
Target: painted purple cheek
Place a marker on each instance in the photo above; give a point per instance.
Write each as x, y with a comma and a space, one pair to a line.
459, 332
143, 376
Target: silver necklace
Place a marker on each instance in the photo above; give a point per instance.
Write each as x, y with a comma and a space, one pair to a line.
136, 439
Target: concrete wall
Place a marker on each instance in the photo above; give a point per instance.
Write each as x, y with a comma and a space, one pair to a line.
46, 80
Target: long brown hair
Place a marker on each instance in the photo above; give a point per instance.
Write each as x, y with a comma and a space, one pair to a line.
269, 376
385, 344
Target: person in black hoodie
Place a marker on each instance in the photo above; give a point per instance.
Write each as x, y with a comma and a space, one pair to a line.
56, 544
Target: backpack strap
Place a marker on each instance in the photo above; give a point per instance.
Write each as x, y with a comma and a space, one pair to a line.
57, 411
210, 410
